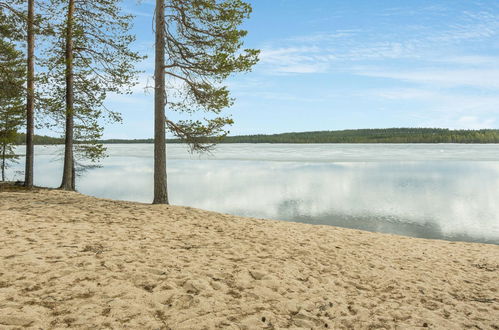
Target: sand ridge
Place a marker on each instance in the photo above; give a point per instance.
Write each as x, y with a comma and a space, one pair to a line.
74, 261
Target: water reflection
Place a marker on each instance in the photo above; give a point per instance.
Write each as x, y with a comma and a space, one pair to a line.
447, 196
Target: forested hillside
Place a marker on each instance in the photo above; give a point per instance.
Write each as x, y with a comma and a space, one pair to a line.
388, 135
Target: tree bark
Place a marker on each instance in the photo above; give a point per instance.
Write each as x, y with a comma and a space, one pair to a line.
4, 147
160, 183
67, 176
30, 102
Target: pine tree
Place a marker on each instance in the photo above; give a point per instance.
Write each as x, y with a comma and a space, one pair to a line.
22, 13
30, 96
198, 45
12, 77
90, 58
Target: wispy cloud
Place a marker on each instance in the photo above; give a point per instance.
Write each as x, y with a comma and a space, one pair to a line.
473, 122
473, 25
470, 60
326, 36
296, 59
282, 96
403, 94
443, 78
443, 108
446, 42
136, 12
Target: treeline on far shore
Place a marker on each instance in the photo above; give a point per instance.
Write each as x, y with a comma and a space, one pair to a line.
388, 135
46, 140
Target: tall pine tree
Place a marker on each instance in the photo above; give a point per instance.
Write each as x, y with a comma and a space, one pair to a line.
89, 59
198, 45
12, 77
22, 13
30, 96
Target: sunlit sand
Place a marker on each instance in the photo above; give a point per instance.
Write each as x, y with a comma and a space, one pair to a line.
69, 260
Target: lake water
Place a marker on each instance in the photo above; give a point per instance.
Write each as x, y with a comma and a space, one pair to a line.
430, 191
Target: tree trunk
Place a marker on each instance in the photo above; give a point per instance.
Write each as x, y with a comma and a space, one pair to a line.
160, 188
30, 102
73, 176
3, 161
67, 176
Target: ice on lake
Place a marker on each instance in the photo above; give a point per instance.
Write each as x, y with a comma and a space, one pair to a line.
444, 191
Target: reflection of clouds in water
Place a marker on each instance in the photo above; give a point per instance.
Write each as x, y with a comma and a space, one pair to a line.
429, 199
455, 197
132, 181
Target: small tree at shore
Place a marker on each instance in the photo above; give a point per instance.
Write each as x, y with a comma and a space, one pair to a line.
198, 45
12, 77
90, 58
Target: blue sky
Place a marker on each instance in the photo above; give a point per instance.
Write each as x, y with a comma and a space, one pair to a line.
336, 64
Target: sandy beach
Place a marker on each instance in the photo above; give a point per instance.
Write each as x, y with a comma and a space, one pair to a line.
74, 261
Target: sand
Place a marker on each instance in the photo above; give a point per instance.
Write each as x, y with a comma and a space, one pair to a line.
69, 260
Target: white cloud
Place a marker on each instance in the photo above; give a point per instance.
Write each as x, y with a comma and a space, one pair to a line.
304, 68
325, 36
446, 100
471, 60
443, 78
404, 94
137, 12
443, 108
322, 51
296, 59
475, 25
287, 55
461, 122
285, 97
475, 122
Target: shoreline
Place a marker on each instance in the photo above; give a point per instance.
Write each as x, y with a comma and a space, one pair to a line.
293, 143
80, 261
18, 186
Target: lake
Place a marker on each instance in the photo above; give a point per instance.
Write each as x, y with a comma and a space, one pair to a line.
442, 191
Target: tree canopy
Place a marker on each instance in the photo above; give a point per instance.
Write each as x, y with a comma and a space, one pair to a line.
12, 92
89, 58
203, 44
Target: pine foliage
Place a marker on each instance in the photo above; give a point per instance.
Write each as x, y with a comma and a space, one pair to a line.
12, 77
102, 64
203, 44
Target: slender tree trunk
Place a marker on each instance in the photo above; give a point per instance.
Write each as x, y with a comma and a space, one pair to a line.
3, 161
67, 176
160, 188
73, 176
30, 102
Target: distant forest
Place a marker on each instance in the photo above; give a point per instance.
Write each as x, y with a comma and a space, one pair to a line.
388, 135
